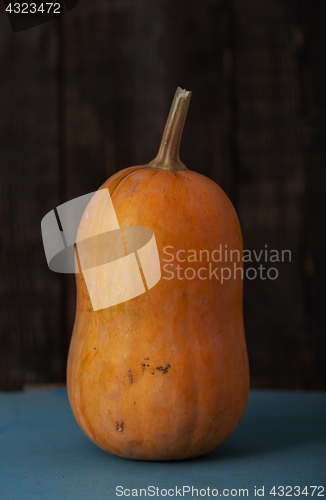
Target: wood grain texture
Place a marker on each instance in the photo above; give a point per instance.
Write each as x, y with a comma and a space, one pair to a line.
271, 186
87, 95
311, 39
30, 306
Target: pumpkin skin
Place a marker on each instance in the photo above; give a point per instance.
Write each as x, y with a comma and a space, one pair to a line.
164, 376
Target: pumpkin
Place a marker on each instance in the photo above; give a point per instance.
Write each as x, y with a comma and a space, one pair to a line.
164, 375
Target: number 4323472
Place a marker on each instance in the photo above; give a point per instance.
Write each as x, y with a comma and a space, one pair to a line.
289, 491
32, 8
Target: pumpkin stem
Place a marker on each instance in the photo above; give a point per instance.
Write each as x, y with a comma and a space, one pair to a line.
168, 154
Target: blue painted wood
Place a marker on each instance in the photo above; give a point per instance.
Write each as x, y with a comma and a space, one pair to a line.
280, 441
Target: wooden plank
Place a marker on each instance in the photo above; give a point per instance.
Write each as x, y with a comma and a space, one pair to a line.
311, 41
31, 347
271, 186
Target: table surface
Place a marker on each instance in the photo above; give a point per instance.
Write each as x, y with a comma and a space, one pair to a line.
281, 441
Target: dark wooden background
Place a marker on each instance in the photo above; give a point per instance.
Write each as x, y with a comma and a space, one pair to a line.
88, 94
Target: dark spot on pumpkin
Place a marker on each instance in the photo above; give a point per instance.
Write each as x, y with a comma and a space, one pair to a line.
143, 365
146, 359
130, 379
119, 426
152, 373
163, 370
184, 294
130, 371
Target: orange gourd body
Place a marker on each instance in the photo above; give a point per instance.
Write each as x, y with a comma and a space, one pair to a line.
165, 375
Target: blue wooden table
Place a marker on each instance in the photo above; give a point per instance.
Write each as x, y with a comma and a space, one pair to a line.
281, 442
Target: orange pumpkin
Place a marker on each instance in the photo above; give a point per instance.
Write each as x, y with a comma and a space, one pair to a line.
164, 375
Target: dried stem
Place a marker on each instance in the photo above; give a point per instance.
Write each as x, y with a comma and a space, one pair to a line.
168, 155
